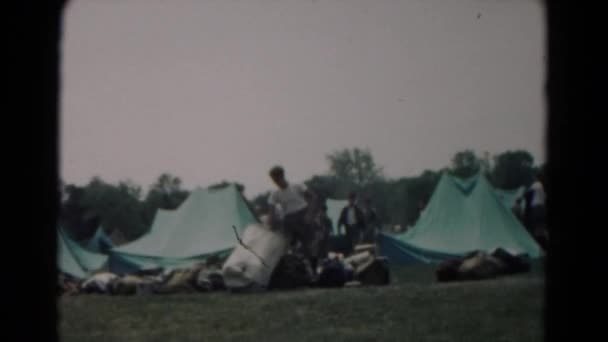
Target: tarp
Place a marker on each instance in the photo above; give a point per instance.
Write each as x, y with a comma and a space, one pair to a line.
100, 242
75, 260
462, 216
201, 227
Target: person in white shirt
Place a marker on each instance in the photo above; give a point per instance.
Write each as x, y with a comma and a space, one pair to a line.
291, 204
538, 199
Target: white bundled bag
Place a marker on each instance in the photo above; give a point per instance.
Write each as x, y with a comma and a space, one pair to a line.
252, 261
99, 282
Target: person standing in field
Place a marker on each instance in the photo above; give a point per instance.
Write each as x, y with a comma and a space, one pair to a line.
325, 226
353, 220
291, 206
371, 221
536, 215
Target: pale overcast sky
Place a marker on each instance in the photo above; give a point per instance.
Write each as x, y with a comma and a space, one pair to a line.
212, 90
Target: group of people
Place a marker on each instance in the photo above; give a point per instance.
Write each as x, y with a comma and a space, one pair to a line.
360, 223
301, 214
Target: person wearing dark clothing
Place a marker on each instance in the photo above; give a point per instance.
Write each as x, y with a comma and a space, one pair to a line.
518, 209
353, 220
536, 212
325, 226
371, 221
527, 211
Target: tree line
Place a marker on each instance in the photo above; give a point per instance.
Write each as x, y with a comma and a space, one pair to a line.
123, 207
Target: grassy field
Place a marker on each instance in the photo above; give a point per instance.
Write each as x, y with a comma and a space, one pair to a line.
412, 308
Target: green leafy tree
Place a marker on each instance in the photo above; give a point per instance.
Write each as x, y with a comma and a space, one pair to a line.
116, 206
355, 165
75, 218
129, 188
465, 164
330, 186
513, 169
166, 193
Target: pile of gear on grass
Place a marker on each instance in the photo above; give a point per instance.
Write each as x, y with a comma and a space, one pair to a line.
481, 265
264, 259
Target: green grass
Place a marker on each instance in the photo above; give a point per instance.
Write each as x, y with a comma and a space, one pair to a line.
413, 308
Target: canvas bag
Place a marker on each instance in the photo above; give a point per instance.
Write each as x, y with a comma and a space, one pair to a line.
253, 265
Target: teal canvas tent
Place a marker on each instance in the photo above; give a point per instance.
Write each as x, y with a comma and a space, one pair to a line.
461, 216
201, 227
74, 260
334, 208
100, 242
